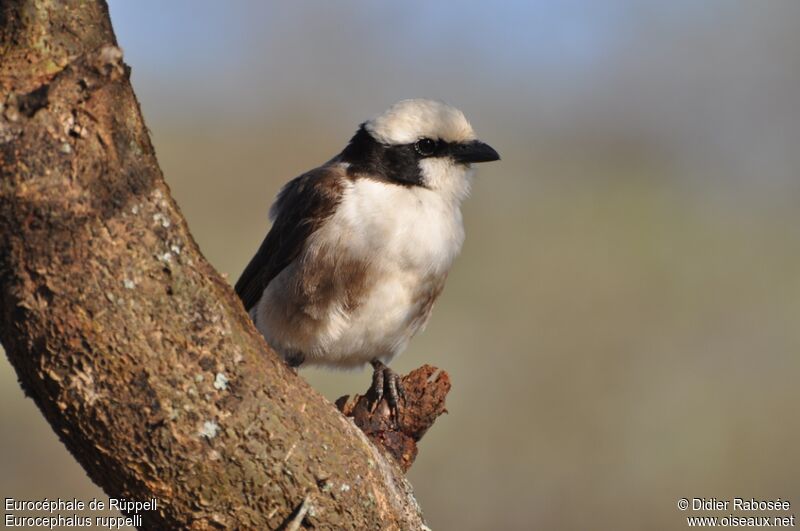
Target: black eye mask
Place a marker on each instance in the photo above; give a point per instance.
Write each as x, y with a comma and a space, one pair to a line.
400, 163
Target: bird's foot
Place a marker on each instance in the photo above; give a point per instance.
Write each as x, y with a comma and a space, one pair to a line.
294, 360
386, 384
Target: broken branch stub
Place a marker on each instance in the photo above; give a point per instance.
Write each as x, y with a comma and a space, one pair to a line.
425, 391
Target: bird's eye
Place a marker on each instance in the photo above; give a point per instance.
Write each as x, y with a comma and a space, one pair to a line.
425, 147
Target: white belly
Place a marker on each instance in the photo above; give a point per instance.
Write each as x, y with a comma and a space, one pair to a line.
380, 328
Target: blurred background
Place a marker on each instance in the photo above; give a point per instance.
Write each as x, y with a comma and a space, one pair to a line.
622, 328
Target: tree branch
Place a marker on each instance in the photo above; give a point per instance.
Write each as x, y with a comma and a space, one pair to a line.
139, 355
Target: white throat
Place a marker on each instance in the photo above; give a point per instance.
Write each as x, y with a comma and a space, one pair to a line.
450, 180
411, 226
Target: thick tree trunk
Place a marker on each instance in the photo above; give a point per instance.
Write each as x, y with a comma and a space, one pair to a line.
139, 355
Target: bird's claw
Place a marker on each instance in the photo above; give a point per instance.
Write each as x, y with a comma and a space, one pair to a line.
386, 384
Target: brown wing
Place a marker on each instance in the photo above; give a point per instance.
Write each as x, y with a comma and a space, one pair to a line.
302, 206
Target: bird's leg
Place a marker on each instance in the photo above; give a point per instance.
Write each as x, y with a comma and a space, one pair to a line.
386, 381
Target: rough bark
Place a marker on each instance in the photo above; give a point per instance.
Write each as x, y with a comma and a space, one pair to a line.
139, 355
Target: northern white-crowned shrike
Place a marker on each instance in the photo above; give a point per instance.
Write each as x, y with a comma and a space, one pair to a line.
360, 247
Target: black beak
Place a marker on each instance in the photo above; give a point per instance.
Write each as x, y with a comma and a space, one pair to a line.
475, 151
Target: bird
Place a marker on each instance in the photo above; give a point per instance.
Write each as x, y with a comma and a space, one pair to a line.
360, 247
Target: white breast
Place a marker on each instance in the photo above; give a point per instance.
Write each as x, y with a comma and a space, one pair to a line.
408, 235
402, 227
